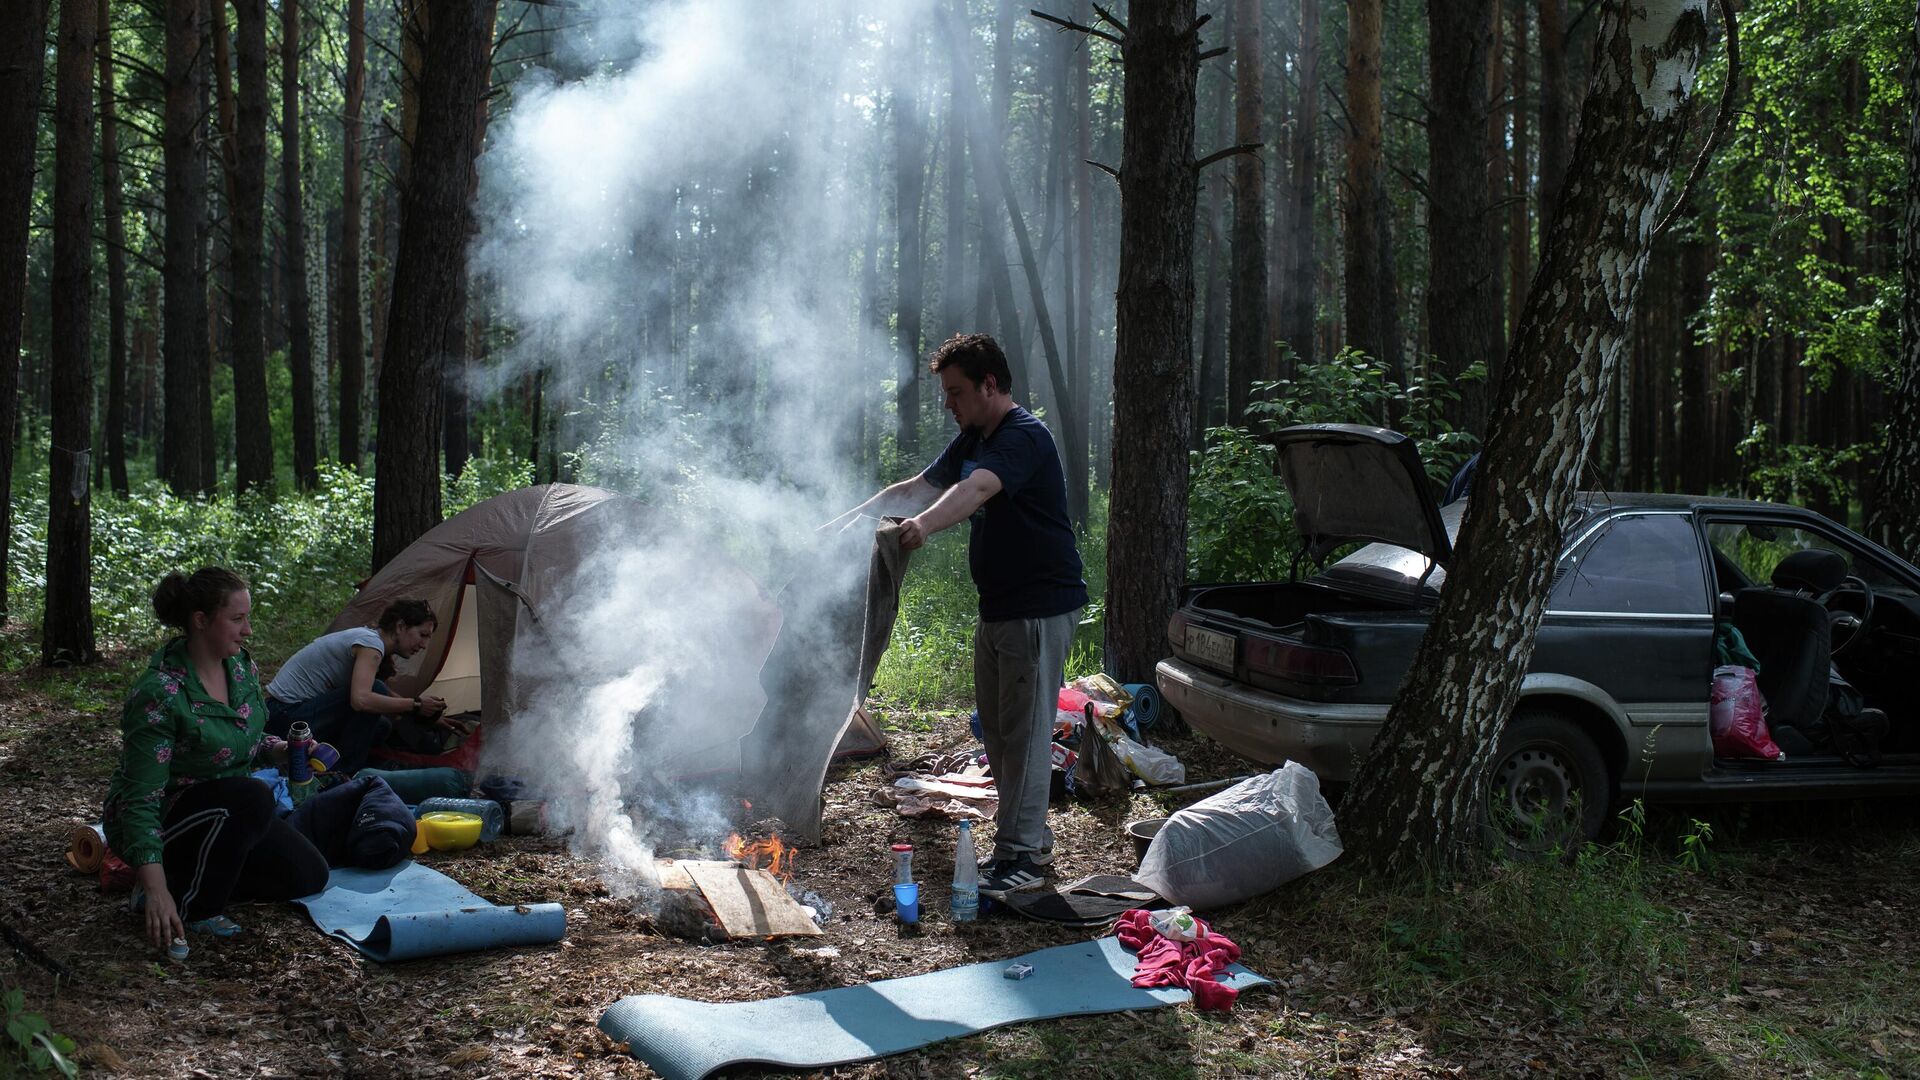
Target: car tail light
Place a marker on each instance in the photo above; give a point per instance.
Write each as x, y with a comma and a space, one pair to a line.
1287, 659
1177, 631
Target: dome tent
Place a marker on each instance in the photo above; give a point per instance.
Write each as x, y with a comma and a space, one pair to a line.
495, 571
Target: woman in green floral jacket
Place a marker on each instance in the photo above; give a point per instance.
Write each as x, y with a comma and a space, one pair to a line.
182, 809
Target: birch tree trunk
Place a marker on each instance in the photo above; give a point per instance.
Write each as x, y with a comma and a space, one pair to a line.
1896, 512
66, 631
1416, 804
1153, 337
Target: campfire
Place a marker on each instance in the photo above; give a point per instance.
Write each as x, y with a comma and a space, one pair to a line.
772, 855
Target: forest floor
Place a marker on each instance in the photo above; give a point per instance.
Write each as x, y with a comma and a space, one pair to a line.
1764, 941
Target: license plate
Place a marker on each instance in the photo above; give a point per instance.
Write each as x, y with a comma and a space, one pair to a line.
1214, 650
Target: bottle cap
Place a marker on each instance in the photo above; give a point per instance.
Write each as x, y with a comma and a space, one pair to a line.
903, 847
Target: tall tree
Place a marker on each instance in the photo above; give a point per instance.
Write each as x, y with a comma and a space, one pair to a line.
427, 324
1153, 335
66, 632
1371, 319
293, 227
187, 437
114, 423
1416, 804
246, 253
23, 53
907, 184
1302, 270
1896, 512
1553, 109
1519, 173
351, 334
1460, 279
1247, 335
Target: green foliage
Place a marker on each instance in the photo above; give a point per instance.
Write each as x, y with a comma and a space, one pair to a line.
1792, 471
1239, 518
302, 553
32, 1043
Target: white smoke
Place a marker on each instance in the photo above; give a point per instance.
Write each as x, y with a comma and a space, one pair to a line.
742, 137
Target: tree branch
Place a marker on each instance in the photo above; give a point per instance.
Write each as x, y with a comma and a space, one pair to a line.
1721, 122
1211, 53
1223, 154
1069, 24
1108, 169
1107, 17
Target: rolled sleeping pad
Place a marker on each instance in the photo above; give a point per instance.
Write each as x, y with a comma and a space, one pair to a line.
415, 786
1147, 703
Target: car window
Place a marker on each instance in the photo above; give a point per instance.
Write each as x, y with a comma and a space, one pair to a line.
1635, 563
1755, 548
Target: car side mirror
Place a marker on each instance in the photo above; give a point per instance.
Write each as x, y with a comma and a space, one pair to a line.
1726, 605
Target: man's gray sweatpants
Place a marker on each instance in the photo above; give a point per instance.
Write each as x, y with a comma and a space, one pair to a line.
1018, 666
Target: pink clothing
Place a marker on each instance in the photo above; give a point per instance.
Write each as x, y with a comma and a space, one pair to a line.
1190, 964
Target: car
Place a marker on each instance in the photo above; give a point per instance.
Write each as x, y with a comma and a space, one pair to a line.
1615, 703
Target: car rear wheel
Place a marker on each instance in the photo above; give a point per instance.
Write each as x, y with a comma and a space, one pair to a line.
1549, 790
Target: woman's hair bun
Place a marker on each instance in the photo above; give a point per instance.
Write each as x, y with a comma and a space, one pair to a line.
179, 595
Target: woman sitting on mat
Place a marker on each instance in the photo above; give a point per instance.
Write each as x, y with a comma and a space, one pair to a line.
181, 809
332, 683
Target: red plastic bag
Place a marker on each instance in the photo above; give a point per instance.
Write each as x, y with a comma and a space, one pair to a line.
1739, 719
1071, 700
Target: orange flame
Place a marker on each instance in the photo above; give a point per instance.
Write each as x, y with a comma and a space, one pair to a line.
771, 855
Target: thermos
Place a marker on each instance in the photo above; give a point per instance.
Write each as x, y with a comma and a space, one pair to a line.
299, 753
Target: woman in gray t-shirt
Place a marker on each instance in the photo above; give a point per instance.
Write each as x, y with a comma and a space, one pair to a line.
333, 683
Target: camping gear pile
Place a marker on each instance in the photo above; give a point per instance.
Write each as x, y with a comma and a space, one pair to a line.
1243, 842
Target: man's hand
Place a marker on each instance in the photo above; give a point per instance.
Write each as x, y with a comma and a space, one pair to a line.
913, 534
431, 705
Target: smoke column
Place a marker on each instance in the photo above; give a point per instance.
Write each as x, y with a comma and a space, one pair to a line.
722, 157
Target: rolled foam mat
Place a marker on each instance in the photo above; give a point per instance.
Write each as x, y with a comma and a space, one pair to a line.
686, 1040
1146, 706
411, 911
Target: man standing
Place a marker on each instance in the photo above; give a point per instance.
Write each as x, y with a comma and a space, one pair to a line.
1003, 474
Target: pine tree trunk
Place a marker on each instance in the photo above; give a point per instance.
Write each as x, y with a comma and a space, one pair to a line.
1460, 279
294, 229
352, 333
1369, 308
23, 41
1083, 378
430, 278
114, 423
1213, 397
66, 632
908, 150
1299, 287
1896, 511
1247, 336
1153, 337
955, 293
246, 251
1553, 109
1416, 804
187, 436
1519, 174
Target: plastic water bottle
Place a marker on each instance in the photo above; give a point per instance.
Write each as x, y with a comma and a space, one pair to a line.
493, 820
903, 864
966, 877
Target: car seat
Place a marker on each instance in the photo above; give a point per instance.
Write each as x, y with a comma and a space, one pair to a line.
1792, 637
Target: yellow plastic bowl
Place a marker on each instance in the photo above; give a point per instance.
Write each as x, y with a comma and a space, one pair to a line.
445, 830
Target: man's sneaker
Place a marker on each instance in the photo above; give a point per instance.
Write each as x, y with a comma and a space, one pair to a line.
1011, 876
1043, 857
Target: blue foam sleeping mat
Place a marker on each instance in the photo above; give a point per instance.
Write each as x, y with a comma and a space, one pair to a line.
686, 1040
411, 911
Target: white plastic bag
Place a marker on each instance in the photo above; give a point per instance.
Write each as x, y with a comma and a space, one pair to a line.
1245, 841
1149, 763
